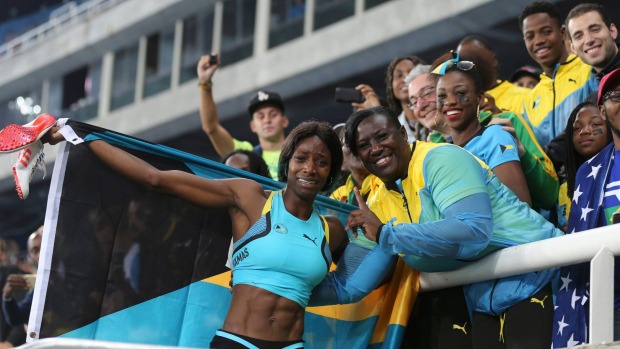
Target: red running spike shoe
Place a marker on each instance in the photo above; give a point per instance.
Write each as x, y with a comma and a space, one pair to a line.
28, 160
16, 137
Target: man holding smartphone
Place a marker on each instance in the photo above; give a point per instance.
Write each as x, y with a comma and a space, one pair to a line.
16, 312
267, 119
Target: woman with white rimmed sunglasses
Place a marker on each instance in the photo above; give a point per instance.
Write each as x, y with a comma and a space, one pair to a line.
460, 93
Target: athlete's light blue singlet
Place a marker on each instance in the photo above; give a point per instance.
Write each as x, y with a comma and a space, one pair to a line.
283, 254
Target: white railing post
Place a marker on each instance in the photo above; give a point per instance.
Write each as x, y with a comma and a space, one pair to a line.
218, 22
261, 27
309, 17
359, 7
177, 48
140, 69
105, 91
602, 297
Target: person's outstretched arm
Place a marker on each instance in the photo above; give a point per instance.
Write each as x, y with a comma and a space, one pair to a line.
220, 138
463, 232
359, 272
456, 183
221, 193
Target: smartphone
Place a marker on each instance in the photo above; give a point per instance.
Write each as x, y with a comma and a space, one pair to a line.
212, 59
30, 280
348, 95
615, 218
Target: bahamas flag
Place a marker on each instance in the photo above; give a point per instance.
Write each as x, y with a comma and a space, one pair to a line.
121, 263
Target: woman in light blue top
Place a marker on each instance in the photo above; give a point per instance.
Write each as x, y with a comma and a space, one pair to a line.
460, 92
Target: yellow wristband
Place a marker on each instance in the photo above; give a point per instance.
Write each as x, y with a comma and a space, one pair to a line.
205, 86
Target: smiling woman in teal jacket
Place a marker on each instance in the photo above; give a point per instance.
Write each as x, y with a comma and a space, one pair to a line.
439, 207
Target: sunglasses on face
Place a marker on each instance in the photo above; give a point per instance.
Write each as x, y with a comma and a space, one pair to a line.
613, 96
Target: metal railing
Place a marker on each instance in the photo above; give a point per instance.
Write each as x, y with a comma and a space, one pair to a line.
598, 246
61, 18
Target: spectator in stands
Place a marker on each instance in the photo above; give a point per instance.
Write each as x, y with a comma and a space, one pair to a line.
397, 95
437, 310
460, 95
526, 77
540, 174
588, 135
267, 120
566, 80
423, 102
4, 253
593, 37
17, 313
500, 94
455, 210
358, 175
10, 336
594, 203
248, 161
13, 251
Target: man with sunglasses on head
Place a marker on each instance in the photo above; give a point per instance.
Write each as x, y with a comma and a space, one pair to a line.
595, 201
566, 80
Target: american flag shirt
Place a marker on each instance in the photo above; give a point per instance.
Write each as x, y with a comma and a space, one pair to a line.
595, 199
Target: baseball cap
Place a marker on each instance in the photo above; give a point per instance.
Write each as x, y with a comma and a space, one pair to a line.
526, 70
265, 97
607, 82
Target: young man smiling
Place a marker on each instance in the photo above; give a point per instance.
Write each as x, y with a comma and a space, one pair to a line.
593, 37
566, 80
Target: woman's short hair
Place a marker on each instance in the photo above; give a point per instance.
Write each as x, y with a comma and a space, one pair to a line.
308, 129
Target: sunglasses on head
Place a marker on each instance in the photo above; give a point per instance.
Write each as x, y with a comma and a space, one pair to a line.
454, 61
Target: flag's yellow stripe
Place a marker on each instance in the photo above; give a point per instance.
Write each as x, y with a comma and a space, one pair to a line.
392, 302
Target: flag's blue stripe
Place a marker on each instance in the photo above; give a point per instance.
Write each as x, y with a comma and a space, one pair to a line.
191, 315
187, 317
